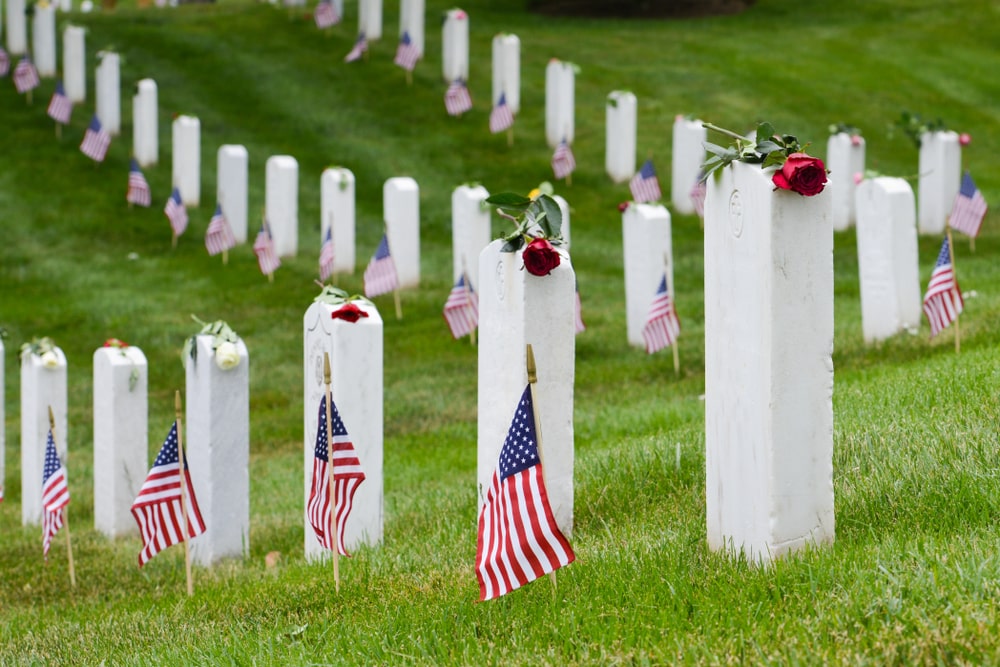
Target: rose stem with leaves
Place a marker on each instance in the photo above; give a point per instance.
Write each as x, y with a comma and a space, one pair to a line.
532, 379
334, 532
182, 470
65, 511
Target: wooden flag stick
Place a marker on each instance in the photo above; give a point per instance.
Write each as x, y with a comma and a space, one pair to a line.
532, 379
335, 537
183, 478
399, 306
954, 273
69, 543
409, 78
58, 130
225, 257
670, 292
29, 97
510, 135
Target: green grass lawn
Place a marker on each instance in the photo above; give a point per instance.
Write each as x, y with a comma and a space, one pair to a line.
913, 577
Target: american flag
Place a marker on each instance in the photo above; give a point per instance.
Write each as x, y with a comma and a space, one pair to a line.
461, 310
662, 326
519, 540
347, 477
176, 212
25, 75
501, 118
95, 141
563, 162
360, 46
457, 99
326, 256
157, 508
697, 195
219, 235
969, 209
380, 276
578, 313
138, 189
943, 300
60, 108
55, 494
407, 54
645, 186
263, 247
325, 14
4, 62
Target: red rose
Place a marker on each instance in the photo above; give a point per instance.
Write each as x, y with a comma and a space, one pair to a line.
801, 173
540, 257
349, 313
623, 206
114, 342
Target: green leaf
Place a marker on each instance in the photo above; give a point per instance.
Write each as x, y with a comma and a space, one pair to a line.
552, 222
766, 147
765, 131
715, 149
777, 157
510, 201
513, 244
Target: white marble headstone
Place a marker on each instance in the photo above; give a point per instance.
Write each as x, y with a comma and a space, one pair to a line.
231, 189
337, 202
411, 21
845, 157
564, 208
560, 109
939, 180
146, 123
282, 203
217, 446
887, 258
355, 351
17, 30
768, 366
517, 308
121, 436
109, 94
507, 70
470, 231
43, 384
186, 134
646, 236
43, 40
75, 64
401, 210
370, 19
455, 46
620, 131
689, 137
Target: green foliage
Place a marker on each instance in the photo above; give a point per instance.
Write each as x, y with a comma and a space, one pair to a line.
766, 149
538, 218
914, 126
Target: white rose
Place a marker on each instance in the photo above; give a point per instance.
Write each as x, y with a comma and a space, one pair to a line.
50, 360
227, 356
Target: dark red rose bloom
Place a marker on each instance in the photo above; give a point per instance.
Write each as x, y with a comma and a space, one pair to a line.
540, 257
114, 342
349, 313
623, 206
801, 173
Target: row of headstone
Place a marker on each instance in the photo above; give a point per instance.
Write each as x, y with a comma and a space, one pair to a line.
17, 29
43, 39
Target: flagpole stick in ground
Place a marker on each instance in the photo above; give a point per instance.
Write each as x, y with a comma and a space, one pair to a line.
183, 478
954, 272
532, 379
69, 543
225, 257
58, 130
399, 306
670, 292
510, 135
409, 78
335, 537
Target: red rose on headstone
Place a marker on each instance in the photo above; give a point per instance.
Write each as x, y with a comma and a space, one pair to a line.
540, 257
349, 313
801, 173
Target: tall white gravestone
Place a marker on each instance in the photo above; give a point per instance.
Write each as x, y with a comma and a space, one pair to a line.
75, 64
43, 384
768, 366
401, 210
646, 237
688, 155
470, 230
564, 208
560, 104
282, 203
355, 351
17, 30
455, 46
217, 445
507, 70
411, 21
337, 211
120, 436
43, 39
887, 258
109, 94
517, 308
619, 143
370, 19
940, 178
231, 188
186, 135
146, 123
845, 157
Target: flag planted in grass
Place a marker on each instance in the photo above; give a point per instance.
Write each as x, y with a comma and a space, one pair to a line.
176, 212
55, 494
501, 118
219, 236
697, 194
158, 508
325, 14
407, 54
60, 108
347, 477
457, 99
95, 141
563, 162
969, 209
519, 540
326, 256
578, 313
360, 46
645, 185
943, 301
461, 310
662, 326
138, 188
25, 75
381, 276
263, 247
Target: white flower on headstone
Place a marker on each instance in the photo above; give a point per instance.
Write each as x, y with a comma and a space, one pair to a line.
227, 356
50, 360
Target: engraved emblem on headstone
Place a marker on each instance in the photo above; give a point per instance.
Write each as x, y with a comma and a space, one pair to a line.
500, 281
736, 213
